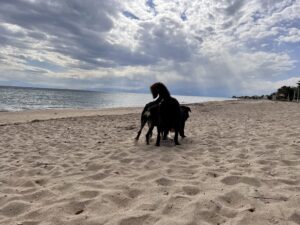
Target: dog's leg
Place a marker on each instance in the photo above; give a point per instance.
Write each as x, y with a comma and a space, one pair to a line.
181, 132
148, 135
176, 137
165, 134
138, 135
140, 131
149, 125
158, 136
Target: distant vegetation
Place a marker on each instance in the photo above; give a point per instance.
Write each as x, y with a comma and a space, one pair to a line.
285, 93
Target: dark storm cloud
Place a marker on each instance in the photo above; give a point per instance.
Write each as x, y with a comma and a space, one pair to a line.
55, 17
37, 35
235, 6
165, 40
8, 37
73, 28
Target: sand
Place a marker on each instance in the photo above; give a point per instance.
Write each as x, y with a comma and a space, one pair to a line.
239, 165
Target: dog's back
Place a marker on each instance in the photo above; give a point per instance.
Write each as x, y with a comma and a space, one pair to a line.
169, 112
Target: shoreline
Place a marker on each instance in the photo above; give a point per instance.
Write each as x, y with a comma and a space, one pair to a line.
16, 117
7, 118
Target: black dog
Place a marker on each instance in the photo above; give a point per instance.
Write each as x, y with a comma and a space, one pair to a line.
150, 115
169, 118
184, 115
169, 112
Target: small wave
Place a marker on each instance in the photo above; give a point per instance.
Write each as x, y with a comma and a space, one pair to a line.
7, 108
22, 99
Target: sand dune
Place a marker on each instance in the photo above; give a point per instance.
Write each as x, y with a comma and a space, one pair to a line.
239, 165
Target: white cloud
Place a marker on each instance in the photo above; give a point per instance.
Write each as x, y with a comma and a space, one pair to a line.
214, 47
293, 36
266, 87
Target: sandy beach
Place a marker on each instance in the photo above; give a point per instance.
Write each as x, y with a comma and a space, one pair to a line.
240, 164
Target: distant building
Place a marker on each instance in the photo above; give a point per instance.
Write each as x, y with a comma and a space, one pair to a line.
281, 96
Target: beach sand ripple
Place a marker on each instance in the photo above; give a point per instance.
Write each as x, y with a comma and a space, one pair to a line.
238, 165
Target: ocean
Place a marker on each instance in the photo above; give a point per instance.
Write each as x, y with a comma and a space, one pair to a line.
19, 99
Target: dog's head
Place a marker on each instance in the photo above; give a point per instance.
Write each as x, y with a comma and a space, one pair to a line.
154, 90
185, 110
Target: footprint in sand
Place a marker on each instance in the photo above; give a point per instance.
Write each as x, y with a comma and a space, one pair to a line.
136, 220
41, 182
233, 199
295, 217
133, 193
190, 190
38, 195
89, 194
119, 199
98, 176
175, 205
291, 162
28, 184
94, 167
74, 207
233, 180
166, 158
126, 160
271, 146
207, 211
164, 181
14, 209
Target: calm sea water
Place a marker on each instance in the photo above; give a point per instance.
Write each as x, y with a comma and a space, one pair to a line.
18, 99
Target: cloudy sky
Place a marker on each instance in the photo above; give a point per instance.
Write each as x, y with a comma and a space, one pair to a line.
196, 47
